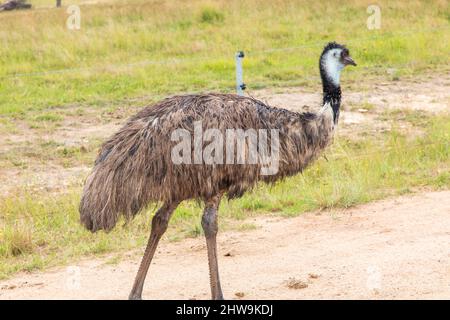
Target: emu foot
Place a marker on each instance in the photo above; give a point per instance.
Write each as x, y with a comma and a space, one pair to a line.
134, 297
218, 297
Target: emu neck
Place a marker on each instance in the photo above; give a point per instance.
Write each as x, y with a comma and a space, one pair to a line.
331, 93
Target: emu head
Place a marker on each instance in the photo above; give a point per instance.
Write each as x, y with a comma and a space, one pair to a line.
333, 59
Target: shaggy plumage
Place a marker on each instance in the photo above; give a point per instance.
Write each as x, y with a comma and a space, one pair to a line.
141, 163
134, 167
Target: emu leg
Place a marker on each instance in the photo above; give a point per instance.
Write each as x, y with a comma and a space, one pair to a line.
210, 227
159, 226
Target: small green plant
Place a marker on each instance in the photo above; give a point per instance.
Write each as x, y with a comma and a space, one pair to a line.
49, 117
211, 16
15, 241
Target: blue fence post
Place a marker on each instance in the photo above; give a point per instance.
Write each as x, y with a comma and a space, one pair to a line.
240, 85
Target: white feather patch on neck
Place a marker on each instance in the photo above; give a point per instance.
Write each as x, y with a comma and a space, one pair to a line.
326, 113
325, 107
332, 65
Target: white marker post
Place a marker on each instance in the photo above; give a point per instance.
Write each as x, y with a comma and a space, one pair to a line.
240, 85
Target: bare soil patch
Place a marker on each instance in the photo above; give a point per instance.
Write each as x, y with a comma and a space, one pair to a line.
390, 249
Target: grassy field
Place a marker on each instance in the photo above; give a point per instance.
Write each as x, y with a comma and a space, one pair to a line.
128, 49
129, 53
40, 230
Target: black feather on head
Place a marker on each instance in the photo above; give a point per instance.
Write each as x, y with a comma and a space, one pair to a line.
333, 45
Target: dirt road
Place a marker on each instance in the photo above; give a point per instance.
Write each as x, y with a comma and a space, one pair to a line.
391, 249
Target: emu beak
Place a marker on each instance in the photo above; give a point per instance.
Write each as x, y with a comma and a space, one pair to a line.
348, 60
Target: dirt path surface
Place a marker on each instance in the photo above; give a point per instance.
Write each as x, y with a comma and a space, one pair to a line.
390, 249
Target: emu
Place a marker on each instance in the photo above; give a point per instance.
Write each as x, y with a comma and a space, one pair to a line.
135, 166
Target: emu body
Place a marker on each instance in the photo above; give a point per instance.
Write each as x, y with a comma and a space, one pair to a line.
135, 166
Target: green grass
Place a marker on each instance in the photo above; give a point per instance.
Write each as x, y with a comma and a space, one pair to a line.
128, 49
40, 230
128, 53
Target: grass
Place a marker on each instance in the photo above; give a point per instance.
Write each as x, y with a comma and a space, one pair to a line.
40, 230
126, 55
124, 50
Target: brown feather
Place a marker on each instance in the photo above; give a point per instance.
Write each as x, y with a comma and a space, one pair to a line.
134, 167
